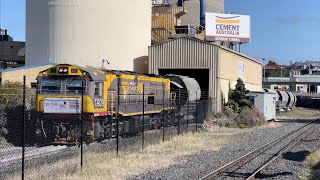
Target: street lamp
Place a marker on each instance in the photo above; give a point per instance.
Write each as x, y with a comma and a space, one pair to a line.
281, 70
103, 61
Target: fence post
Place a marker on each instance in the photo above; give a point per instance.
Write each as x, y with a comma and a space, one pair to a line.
117, 119
196, 111
163, 116
179, 113
82, 117
188, 111
143, 104
204, 109
23, 127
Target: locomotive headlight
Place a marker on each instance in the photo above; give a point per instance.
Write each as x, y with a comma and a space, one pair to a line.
63, 70
44, 73
84, 73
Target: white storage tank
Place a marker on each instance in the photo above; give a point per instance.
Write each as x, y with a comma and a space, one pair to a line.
84, 32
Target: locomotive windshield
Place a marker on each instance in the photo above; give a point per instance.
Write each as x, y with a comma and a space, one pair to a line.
50, 85
74, 86
62, 85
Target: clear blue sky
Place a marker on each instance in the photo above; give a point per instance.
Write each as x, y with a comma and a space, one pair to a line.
281, 30
13, 18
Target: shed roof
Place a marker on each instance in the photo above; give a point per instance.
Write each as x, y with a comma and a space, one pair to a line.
207, 43
26, 67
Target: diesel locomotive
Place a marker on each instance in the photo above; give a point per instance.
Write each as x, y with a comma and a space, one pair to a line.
67, 94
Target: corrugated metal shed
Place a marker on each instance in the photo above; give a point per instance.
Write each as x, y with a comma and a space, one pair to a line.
216, 68
186, 53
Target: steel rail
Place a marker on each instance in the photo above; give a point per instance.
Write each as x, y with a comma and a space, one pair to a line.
224, 168
285, 149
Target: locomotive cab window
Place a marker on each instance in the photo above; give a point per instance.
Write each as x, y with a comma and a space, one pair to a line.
50, 85
150, 100
74, 86
98, 89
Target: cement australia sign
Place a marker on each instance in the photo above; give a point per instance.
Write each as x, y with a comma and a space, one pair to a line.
227, 27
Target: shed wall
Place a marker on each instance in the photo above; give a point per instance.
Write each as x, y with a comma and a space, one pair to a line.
229, 62
229, 72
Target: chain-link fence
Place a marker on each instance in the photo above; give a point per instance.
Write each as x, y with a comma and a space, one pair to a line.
55, 134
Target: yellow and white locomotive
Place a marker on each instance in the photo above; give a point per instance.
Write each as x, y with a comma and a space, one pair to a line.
106, 95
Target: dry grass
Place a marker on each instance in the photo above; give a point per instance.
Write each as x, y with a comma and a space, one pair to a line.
302, 113
314, 158
271, 124
313, 162
4, 143
106, 165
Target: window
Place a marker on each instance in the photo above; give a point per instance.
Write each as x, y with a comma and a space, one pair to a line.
150, 100
75, 85
50, 86
98, 89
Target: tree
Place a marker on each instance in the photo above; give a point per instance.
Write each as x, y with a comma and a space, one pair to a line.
272, 63
237, 97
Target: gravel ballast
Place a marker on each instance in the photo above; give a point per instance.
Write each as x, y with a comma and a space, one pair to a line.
197, 165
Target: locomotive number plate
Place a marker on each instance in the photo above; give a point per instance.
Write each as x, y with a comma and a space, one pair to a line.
98, 103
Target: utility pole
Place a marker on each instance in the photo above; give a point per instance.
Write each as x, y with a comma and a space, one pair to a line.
264, 68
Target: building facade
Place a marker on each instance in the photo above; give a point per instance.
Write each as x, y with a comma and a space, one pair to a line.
12, 53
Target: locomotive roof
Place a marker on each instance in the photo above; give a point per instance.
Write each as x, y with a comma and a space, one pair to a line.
95, 74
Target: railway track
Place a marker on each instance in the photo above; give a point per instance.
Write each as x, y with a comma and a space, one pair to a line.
10, 161
252, 164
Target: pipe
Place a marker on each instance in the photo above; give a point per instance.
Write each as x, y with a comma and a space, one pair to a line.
202, 12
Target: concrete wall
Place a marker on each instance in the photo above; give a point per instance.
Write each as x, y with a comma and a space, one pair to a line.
16, 75
84, 32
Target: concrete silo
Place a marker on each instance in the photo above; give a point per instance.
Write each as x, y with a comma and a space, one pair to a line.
84, 32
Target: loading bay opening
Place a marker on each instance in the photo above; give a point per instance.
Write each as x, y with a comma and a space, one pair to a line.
200, 75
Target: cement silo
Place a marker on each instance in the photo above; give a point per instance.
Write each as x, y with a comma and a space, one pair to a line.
84, 32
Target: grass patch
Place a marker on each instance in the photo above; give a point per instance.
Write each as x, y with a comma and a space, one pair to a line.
300, 113
313, 162
271, 124
4, 143
106, 165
